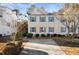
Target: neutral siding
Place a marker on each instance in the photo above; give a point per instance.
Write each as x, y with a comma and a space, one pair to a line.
8, 17
56, 24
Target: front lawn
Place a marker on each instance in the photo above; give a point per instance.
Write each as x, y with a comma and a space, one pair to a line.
69, 47
70, 50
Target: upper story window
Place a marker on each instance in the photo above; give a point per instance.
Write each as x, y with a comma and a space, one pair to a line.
32, 19
32, 29
51, 29
63, 29
42, 29
50, 18
62, 20
42, 19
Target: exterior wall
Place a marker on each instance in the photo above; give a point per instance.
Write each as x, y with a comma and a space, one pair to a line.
77, 30
56, 24
8, 18
5, 30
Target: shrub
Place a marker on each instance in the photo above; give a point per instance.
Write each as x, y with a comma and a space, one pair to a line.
10, 49
62, 35
36, 35
48, 35
74, 43
43, 35
24, 34
18, 34
69, 35
54, 35
29, 35
59, 35
0, 35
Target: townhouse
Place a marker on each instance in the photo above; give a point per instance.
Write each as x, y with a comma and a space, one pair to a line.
45, 24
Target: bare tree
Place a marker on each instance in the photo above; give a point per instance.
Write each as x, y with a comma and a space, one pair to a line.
69, 14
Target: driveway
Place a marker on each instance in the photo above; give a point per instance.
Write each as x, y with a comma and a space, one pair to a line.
41, 47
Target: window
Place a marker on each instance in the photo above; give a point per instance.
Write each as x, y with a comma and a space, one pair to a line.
42, 19
50, 18
0, 15
32, 29
42, 29
32, 19
63, 21
63, 29
78, 29
51, 29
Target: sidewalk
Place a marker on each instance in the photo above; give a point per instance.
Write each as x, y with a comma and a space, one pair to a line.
48, 46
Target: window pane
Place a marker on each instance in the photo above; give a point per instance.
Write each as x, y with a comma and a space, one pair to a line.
51, 29
0, 15
42, 19
32, 19
50, 19
42, 29
63, 29
32, 29
78, 29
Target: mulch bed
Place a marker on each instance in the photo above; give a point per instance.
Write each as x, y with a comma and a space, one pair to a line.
66, 42
61, 42
4, 39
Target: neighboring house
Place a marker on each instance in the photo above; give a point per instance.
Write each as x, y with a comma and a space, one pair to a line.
45, 24
7, 21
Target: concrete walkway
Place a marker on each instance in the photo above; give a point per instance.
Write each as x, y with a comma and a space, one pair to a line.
42, 47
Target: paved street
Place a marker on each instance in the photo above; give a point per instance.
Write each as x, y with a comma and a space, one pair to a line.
41, 47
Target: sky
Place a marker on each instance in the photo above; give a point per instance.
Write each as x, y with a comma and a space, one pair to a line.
49, 7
